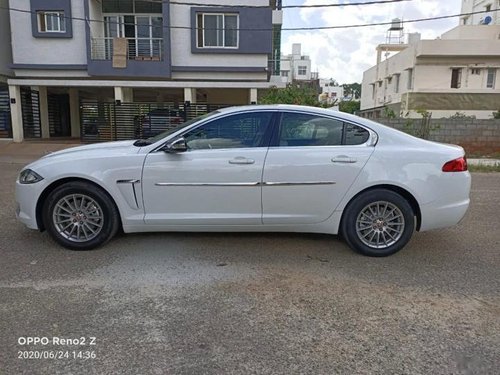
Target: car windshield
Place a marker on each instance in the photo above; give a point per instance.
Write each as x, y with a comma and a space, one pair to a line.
156, 138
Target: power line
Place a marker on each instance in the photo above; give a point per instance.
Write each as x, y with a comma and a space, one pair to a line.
283, 6
306, 28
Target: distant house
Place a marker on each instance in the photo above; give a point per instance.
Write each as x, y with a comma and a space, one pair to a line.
458, 72
296, 66
331, 93
68, 53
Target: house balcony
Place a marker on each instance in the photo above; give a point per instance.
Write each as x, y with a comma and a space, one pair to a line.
138, 49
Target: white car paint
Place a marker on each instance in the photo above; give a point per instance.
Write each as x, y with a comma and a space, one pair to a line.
282, 189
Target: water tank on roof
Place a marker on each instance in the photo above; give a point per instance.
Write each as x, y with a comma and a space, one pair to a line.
396, 24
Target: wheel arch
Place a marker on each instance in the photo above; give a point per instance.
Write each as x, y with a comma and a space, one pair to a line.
54, 185
397, 189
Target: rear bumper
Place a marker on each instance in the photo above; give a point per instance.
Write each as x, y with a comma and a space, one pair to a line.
436, 217
451, 203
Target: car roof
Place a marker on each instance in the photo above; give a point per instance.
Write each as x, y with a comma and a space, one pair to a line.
289, 107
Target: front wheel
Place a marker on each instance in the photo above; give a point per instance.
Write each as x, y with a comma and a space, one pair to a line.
80, 216
378, 223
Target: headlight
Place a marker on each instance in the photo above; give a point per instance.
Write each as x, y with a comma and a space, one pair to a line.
29, 177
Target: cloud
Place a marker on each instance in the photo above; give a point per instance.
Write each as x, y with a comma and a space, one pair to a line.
343, 54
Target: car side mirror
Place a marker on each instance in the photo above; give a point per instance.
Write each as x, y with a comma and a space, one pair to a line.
179, 145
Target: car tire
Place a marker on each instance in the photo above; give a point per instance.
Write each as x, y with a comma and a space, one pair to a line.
378, 223
80, 216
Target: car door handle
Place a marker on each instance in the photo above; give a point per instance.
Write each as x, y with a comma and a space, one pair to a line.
241, 160
343, 159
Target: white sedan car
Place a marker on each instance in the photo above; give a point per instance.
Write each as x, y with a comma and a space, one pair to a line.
275, 168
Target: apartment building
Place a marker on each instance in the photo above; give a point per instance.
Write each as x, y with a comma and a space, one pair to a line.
69, 52
458, 72
489, 15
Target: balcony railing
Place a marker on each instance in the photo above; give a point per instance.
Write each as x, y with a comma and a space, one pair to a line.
148, 49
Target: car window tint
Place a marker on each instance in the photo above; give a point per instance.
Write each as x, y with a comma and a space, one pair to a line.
309, 130
236, 131
355, 135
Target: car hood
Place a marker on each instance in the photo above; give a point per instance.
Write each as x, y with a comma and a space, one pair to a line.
94, 152
97, 148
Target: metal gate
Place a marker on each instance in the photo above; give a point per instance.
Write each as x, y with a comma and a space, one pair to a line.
108, 121
5, 119
31, 113
59, 115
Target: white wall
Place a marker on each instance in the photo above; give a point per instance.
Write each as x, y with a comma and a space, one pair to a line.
95, 13
29, 50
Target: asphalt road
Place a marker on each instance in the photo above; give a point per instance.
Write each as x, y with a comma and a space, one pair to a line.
254, 303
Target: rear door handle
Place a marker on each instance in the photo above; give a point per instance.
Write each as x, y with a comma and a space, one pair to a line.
241, 160
343, 159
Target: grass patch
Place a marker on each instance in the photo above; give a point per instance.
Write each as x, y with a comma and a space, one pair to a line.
484, 168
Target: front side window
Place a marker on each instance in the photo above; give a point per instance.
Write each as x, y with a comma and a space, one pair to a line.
490, 80
311, 130
235, 131
217, 30
51, 22
302, 71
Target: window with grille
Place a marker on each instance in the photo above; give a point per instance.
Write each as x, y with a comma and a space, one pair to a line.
51, 22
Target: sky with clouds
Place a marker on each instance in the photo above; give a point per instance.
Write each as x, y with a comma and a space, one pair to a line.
343, 54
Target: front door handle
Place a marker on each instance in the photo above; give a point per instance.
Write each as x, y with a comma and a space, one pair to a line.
343, 159
241, 160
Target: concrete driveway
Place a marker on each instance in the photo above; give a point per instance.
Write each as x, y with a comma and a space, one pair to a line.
253, 303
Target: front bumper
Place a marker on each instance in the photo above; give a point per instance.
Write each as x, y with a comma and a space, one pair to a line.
26, 198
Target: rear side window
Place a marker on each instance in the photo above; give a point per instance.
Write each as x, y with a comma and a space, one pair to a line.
299, 129
308, 130
355, 135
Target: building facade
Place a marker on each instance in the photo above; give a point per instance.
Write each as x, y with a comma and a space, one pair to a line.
458, 72
68, 51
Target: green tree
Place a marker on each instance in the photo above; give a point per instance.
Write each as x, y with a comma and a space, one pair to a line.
352, 89
349, 106
291, 94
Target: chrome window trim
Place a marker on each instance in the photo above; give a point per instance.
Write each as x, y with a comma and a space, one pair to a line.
245, 184
370, 142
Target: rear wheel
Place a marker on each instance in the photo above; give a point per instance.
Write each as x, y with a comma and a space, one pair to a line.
80, 216
378, 223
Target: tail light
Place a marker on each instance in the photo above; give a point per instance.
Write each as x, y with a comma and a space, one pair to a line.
456, 165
